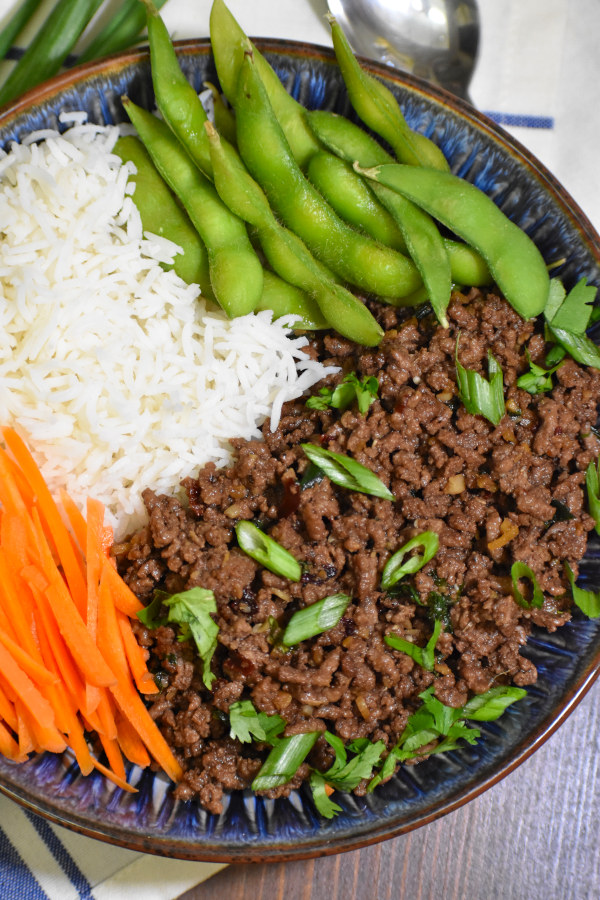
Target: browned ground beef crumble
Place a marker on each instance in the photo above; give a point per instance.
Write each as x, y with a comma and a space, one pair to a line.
520, 485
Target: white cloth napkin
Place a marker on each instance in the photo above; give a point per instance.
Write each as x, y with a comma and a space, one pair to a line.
538, 74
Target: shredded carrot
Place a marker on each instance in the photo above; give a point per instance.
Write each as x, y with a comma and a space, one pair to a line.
69, 660
136, 657
51, 515
123, 597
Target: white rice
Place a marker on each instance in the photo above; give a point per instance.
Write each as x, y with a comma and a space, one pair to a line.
118, 374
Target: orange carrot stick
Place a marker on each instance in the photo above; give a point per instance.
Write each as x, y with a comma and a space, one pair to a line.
72, 627
51, 516
7, 711
120, 782
8, 745
24, 738
132, 707
106, 717
123, 597
136, 657
25, 689
113, 755
94, 556
36, 671
131, 744
76, 519
17, 604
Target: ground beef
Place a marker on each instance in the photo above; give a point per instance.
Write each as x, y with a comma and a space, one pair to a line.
492, 494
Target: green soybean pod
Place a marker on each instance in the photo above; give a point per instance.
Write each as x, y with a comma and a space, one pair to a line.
379, 109
161, 214
348, 141
352, 198
175, 97
223, 115
236, 273
229, 46
356, 258
284, 299
284, 251
515, 262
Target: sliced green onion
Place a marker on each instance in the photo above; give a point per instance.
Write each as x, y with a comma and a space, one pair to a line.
520, 570
592, 483
17, 22
120, 32
423, 656
479, 396
258, 545
347, 472
315, 619
395, 569
587, 601
579, 346
284, 760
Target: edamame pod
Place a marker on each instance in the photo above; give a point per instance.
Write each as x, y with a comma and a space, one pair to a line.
229, 46
161, 214
285, 252
348, 141
175, 97
352, 199
236, 273
266, 153
514, 260
223, 115
284, 299
379, 109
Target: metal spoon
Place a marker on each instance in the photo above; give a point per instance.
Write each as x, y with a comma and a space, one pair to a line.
436, 39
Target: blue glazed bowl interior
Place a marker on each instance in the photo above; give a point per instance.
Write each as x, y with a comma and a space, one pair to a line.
253, 828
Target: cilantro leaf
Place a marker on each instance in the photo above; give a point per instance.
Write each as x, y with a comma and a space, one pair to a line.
573, 313
246, 723
345, 775
478, 395
592, 483
587, 601
579, 346
323, 802
537, 380
192, 609
423, 656
351, 388
434, 721
489, 706
149, 616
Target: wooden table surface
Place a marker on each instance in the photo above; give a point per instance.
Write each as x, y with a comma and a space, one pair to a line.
533, 836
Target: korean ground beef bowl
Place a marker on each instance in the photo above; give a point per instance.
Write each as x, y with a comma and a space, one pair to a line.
200, 820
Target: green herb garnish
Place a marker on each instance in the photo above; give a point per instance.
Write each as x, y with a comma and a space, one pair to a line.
284, 760
538, 379
395, 569
351, 388
344, 774
568, 316
592, 483
347, 472
520, 570
480, 396
246, 723
325, 805
587, 601
433, 721
315, 619
192, 611
423, 656
258, 545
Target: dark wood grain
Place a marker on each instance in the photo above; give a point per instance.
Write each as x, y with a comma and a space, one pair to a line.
534, 836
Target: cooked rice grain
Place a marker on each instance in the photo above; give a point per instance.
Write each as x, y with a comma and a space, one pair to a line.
119, 374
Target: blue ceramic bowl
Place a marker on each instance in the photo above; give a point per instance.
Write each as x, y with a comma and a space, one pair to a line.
252, 828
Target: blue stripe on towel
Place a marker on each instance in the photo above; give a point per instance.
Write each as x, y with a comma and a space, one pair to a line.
16, 881
62, 856
521, 121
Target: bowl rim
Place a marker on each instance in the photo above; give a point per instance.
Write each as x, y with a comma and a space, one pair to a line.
285, 851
